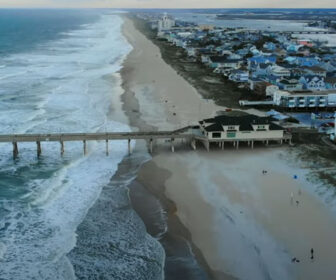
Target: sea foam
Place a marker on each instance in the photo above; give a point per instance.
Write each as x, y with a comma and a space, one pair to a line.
63, 86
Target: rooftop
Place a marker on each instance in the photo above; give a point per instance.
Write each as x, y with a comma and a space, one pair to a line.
310, 92
245, 122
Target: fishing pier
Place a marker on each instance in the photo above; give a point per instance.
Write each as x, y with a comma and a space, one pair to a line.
219, 130
190, 135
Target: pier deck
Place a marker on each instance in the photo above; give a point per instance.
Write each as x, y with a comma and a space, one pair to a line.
57, 137
190, 134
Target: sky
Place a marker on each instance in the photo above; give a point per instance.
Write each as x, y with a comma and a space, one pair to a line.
167, 3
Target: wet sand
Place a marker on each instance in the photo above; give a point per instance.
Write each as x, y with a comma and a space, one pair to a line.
242, 222
147, 191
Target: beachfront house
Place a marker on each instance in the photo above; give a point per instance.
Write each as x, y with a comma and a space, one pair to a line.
290, 85
305, 42
224, 62
291, 60
248, 128
312, 82
292, 48
241, 76
278, 71
261, 70
315, 71
270, 46
307, 61
302, 61
254, 61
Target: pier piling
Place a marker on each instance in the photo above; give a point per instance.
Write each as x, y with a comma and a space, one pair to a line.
15, 150
84, 147
129, 147
151, 145
62, 148
193, 144
107, 147
172, 145
39, 150
206, 144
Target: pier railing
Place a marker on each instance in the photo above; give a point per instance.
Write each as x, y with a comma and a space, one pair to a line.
186, 133
84, 137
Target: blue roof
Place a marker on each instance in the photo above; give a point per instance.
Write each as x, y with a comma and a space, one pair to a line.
262, 59
290, 58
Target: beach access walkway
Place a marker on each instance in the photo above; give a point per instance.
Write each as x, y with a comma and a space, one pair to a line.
190, 134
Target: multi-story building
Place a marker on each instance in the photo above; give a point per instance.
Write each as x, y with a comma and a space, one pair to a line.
165, 23
304, 99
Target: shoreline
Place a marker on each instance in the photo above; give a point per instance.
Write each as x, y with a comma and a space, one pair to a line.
175, 238
235, 238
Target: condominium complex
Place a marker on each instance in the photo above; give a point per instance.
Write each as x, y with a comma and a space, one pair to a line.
304, 99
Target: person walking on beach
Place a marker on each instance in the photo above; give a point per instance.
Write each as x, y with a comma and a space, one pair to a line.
312, 254
297, 203
292, 198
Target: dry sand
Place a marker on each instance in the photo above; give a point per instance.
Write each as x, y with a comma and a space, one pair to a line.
166, 100
242, 221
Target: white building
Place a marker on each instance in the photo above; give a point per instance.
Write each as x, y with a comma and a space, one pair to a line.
304, 99
270, 90
165, 23
278, 71
247, 128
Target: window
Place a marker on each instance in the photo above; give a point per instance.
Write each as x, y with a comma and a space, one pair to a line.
261, 128
216, 135
231, 128
231, 134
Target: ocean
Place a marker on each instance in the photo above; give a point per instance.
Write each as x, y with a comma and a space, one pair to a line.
59, 72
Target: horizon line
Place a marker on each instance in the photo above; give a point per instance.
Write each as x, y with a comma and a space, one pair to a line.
163, 8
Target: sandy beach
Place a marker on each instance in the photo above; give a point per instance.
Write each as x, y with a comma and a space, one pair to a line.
242, 224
